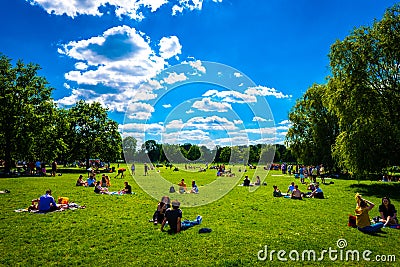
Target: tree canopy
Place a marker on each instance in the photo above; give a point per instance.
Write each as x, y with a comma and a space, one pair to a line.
33, 128
359, 103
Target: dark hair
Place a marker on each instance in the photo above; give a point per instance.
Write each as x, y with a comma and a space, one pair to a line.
363, 204
388, 199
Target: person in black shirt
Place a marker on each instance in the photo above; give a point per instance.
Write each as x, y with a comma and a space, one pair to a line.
388, 212
127, 189
173, 216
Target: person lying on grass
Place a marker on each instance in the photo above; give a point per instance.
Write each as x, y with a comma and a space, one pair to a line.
174, 218
363, 221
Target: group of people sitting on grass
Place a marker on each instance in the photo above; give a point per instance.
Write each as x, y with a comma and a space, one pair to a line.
98, 189
183, 188
168, 212
246, 181
294, 192
101, 186
91, 181
387, 218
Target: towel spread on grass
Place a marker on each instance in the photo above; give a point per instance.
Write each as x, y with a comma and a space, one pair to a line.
71, 206
120, 193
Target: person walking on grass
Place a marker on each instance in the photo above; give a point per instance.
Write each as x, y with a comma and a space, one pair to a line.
54, 168
133, 169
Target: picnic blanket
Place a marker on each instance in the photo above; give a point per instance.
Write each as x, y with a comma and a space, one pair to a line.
70, 206
119, 193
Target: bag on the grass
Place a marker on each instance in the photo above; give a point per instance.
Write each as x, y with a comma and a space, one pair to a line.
352, 221
63, 200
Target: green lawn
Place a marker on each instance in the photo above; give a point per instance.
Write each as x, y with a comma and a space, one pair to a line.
114, 230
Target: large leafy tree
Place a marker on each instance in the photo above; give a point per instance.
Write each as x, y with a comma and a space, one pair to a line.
94, 134
129, 145
364, 94
193, 153
26, 111
152, 149
314, 129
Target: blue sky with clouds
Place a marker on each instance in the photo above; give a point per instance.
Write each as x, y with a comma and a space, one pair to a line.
212, 72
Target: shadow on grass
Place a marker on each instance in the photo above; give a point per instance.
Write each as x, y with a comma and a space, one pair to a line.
379, 190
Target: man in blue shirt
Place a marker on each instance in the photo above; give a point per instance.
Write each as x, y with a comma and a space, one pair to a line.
47, 202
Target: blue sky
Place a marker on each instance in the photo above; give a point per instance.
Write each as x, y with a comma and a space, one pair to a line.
209, 72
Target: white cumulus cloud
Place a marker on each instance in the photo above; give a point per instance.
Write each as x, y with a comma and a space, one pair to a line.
206, 104
169, 47
231, 96
174, 77
265, 91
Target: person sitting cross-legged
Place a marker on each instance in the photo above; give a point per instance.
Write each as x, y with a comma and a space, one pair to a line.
47, 203
317, 193
388, 212
100, 190
127, 189
296, 193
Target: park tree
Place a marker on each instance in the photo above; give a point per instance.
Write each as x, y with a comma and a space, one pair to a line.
267, 154
94, 134
173, 153
129, 145
364, 94
314, 129
152, 150
254, 153
207, 155
193, 153
26, 110
225, 155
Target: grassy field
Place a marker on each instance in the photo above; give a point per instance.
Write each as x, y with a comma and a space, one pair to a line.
114, 230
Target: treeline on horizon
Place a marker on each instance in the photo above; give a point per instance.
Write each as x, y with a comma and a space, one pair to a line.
151, 151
